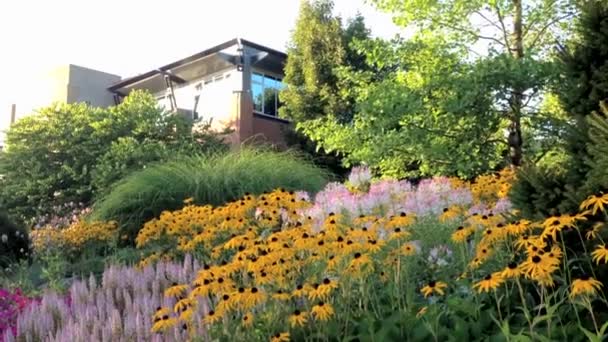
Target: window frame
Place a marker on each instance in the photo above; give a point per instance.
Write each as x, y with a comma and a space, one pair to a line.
266, 75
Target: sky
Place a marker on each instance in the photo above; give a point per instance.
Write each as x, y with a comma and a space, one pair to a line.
128, 37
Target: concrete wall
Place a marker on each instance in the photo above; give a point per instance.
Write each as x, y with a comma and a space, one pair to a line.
88, 85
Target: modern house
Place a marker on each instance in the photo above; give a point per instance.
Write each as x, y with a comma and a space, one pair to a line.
233, 85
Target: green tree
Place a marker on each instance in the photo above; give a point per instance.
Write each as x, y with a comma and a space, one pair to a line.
581, 88
493, 48
319, 46
423, 110
51, 157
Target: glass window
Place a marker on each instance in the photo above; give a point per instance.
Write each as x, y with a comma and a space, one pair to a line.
265, 92
257, 92
257, 78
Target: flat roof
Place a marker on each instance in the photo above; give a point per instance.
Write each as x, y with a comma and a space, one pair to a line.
117, 87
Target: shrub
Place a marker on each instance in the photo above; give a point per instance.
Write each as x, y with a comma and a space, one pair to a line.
51, 156
14, 242
213, 180
91, 238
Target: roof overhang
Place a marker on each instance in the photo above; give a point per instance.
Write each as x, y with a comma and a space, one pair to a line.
198, 65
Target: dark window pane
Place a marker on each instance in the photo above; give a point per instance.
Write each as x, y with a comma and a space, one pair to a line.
257, 93
270, 106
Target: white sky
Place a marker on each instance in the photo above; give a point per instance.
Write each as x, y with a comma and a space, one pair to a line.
128, 37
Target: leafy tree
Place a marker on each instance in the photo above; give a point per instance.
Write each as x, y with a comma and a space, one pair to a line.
51, 157
428, 116
422, 112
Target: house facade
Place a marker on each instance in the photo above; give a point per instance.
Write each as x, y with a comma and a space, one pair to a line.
233, 86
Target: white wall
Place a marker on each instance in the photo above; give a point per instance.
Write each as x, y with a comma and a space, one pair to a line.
215, 97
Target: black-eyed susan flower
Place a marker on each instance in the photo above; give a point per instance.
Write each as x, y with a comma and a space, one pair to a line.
490, 282
434, 287
539, 266
511, 271
247, 320
164, 324
298, 318
595, 203
322, 311
600, 254
585, 286
176, 291
160, 313
323, 290
409, 248
281, 295
280, 337
253, 297
594, 232
461, 234
183, 304
212, 317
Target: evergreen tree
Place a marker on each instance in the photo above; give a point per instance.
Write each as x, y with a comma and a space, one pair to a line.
320, 47
314, 52
583, 86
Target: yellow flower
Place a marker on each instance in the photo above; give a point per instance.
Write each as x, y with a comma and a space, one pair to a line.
212, 317
408, 248
600, 253
189, 200
539, 266
586, 286
490, 282
323, 290
461, 234
247, 320
164, 324
595, 203
281, 296
280, 337
183, 304
594, 232
511, 271
297, 319
176, 291
322, 311
434, 287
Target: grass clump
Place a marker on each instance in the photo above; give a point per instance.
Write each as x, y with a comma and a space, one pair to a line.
207, 180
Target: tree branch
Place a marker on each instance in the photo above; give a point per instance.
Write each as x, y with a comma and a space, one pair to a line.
472, 33
549, 24
503, 29
529, 27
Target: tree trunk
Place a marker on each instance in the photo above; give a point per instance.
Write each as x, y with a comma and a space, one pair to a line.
515, 139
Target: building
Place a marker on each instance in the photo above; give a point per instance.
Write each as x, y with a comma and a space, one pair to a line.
233, 85
69, 84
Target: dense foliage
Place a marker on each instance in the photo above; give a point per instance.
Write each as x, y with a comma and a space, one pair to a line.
51, 157
14, 241
319, 45
584, 61
369, 260
207, 180
451, 100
